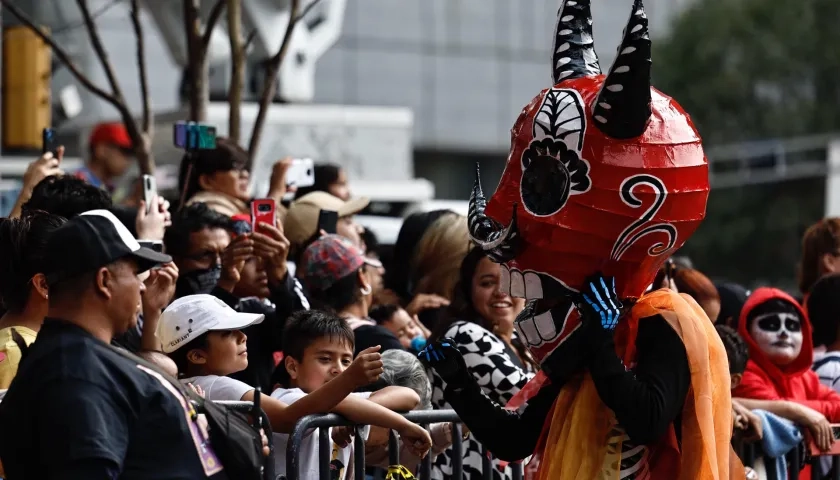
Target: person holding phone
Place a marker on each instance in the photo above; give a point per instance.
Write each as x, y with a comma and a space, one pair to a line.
219, 178
318, 213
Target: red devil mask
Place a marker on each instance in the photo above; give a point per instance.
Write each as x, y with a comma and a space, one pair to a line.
604, 174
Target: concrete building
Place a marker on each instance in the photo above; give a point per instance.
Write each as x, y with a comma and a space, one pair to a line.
465, 67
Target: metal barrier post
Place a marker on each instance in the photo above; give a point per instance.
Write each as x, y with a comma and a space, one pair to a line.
358, 454
423, 417
324, 451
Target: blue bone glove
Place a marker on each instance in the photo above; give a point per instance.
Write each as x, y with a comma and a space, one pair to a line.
445, 359
599, 301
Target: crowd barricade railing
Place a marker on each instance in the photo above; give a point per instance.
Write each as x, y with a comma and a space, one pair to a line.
323, 422
248, 409
796, 458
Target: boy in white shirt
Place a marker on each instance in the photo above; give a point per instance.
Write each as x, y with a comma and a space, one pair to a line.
203, 336
318, 348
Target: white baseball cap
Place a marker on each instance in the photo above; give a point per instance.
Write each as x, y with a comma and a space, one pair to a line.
194, 315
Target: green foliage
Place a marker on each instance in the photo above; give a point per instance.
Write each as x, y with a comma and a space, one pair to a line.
746, 70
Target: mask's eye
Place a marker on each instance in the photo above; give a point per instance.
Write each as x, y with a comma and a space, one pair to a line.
770, 324
793, 325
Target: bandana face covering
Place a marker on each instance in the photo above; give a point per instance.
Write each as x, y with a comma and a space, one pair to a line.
778, 335
199, 281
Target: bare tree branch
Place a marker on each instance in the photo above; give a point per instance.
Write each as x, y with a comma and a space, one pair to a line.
307, 9
212, 20
195, 81
269, 87
237, 73
249, 40
142, 143
141, 68
102, 54
61, 54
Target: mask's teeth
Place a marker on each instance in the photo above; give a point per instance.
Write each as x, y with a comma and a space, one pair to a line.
504, 281
533, 286
517, 284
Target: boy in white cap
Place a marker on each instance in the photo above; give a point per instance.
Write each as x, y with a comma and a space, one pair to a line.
203, 336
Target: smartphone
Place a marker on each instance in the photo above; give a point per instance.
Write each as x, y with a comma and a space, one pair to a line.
328, 221
149, 191
194, 136
48, 141
262, 211
301, 173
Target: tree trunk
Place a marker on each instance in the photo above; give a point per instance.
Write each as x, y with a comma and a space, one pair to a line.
272, 67
237, 74
198, 93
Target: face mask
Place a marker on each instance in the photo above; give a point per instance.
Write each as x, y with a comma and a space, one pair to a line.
199, 281
779, 335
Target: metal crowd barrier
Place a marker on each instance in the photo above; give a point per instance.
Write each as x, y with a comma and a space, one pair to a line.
749, 452
423, 418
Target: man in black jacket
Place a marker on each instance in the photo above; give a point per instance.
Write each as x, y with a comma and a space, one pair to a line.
77, 407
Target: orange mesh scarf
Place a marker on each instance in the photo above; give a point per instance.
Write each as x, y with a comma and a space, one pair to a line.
583, 443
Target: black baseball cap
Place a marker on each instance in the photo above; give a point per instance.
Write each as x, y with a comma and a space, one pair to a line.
90, 241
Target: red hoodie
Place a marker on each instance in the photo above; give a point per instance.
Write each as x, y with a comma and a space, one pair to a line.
763, 380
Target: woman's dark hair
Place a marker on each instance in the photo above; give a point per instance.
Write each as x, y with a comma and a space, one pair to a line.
736, 349
325, 175
821, 238
227, 155
398, 273
371, 242
462, 307
23, 242
344, 292
382, 313
824, 309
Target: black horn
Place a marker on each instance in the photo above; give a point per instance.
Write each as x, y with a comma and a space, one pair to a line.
500, 243
622, 108
573, 55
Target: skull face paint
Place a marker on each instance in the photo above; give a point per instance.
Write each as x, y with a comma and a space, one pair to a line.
605, 173
778, 335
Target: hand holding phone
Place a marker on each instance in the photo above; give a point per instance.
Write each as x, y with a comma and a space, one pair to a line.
301, 173
262, 211
328, 222
149, 191
194, 136
48, 142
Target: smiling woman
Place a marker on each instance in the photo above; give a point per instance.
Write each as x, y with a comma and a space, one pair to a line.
480, 322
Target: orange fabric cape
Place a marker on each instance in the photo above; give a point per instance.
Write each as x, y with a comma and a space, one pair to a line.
582, 442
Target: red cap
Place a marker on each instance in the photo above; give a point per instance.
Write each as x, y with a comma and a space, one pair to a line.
112, 133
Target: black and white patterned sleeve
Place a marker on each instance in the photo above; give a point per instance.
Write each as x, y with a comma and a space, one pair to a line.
488, 361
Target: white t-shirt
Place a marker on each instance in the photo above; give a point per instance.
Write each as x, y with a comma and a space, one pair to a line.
827, 366
218, 388
340, 458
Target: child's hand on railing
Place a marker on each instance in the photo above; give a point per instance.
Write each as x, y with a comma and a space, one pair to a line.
416, 439
818, 425
342, 436
367, 367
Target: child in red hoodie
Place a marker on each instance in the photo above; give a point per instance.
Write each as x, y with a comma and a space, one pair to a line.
778, 335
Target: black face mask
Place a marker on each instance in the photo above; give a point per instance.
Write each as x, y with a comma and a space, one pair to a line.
199, 281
